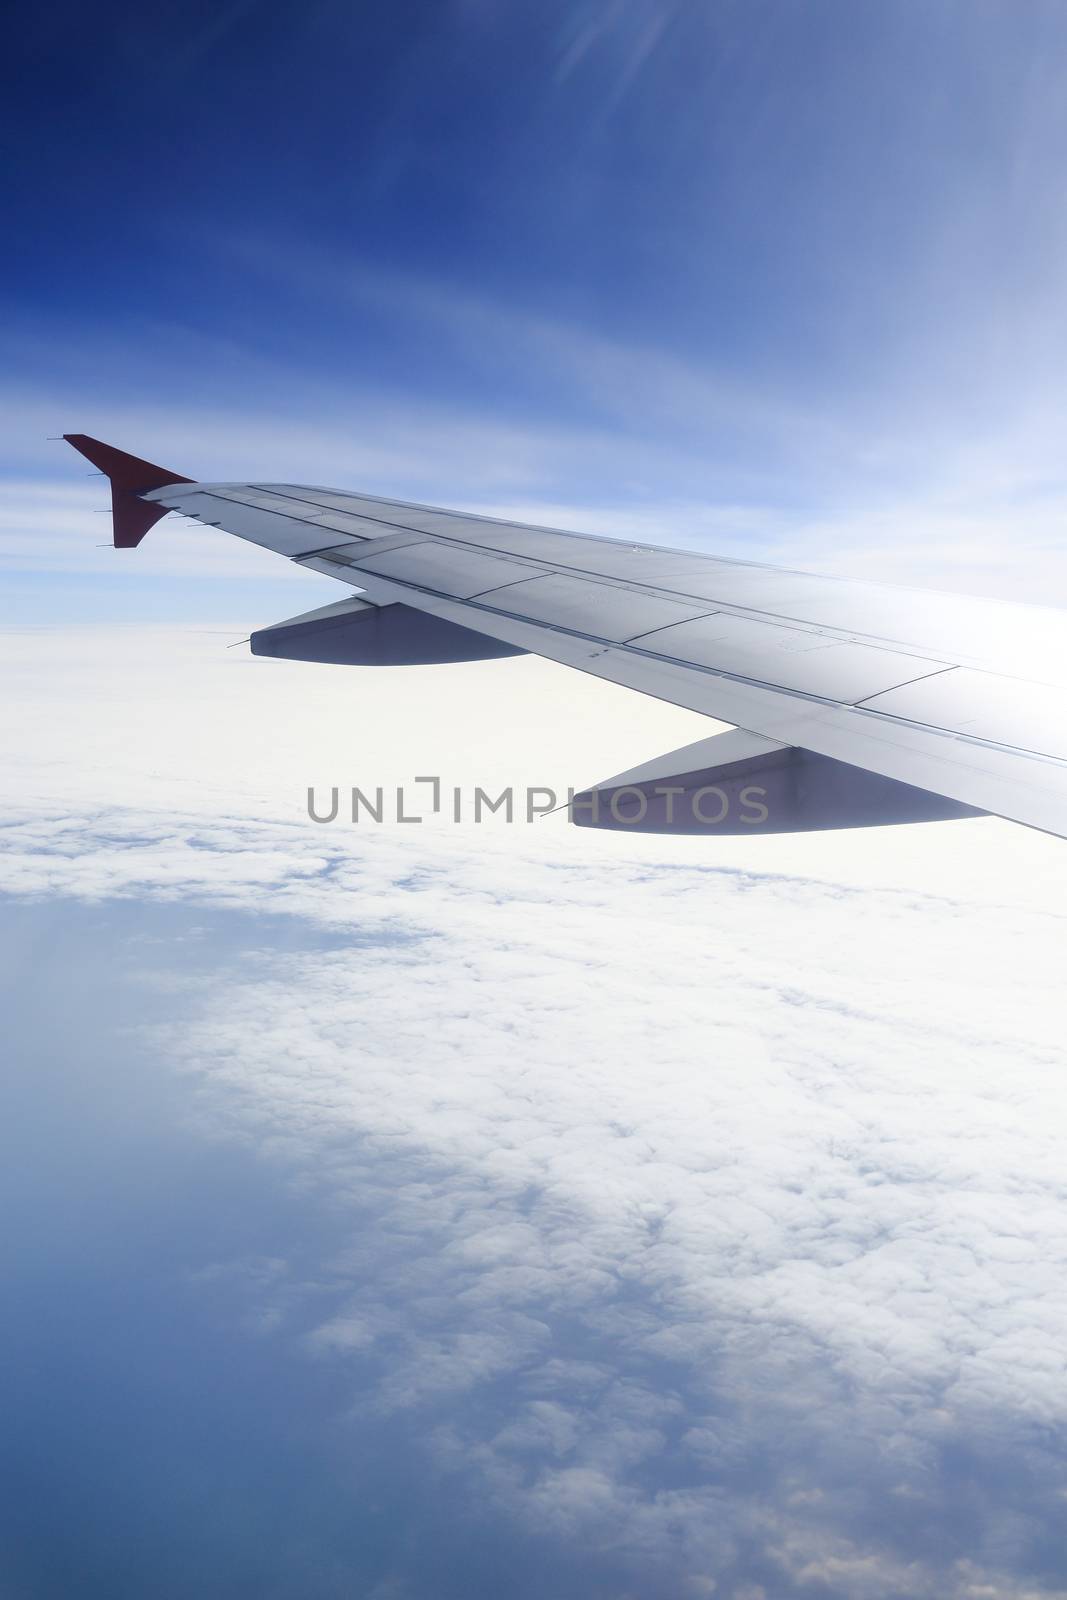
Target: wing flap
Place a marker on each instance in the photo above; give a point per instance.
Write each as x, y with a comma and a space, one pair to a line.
982, 705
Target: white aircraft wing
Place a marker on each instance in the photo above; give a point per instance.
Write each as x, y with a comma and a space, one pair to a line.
855, 702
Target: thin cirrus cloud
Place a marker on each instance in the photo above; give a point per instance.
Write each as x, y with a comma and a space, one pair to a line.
933, 456
975, 515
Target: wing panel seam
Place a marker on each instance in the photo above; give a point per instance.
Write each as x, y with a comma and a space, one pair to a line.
805, 696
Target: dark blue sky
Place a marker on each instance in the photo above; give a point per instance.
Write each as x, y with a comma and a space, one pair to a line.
773, 188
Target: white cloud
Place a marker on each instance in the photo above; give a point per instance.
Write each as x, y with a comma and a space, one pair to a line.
708, 1193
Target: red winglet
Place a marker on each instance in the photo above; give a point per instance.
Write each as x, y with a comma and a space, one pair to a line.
130, 477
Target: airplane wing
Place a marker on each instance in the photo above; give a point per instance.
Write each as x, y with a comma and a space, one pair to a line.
853, 702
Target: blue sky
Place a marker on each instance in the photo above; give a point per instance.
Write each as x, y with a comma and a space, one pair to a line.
770, 277
767, 186
423, 1212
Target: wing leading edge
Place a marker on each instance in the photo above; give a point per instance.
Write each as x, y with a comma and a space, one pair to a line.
962, 699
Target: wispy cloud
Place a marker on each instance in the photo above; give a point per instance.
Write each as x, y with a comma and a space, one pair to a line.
949, 474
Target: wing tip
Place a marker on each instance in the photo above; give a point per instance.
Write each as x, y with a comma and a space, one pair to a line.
130, 477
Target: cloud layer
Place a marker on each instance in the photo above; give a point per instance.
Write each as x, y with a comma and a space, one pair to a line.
706, 1204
